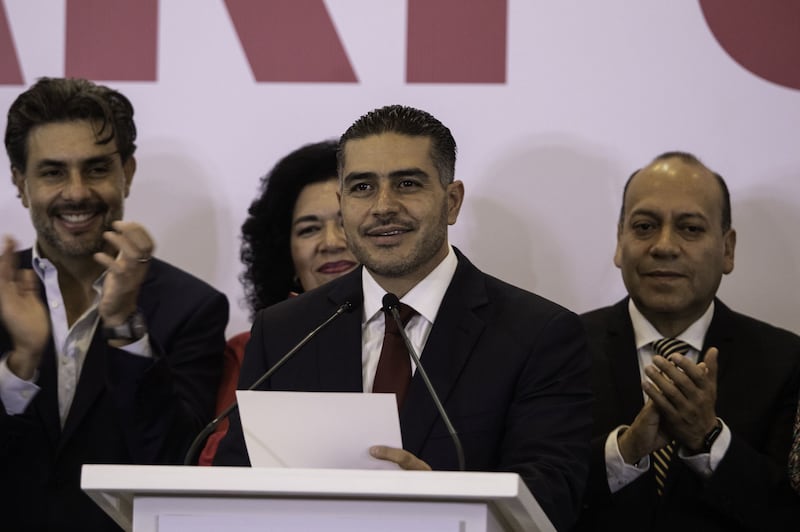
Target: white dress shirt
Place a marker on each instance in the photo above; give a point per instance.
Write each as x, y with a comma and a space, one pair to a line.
618, 472
425, 298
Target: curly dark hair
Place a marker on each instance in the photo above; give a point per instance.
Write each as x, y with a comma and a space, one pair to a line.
269, 274
65, 100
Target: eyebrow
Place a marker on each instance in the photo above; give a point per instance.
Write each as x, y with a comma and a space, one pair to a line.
103, 158
306, 218
681, 216
403, 172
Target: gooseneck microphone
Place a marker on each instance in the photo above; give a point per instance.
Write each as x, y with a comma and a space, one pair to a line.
391, 303
201, 438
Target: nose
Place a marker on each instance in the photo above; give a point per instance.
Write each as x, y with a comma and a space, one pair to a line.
665, 243
385, 201
333, 236
75, 187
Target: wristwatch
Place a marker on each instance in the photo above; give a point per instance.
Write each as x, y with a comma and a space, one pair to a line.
134, 328
711, 437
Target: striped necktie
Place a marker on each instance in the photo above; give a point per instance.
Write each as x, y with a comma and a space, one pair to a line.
661, 457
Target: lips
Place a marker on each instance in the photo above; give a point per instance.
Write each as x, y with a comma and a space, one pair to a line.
387, 234
78, 217
339, 266
665, 275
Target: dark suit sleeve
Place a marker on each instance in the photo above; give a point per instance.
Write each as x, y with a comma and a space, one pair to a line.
163, 403
766, 492
549, 421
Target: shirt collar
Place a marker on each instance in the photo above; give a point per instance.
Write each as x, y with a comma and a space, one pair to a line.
645, 333
425, 297
42, 266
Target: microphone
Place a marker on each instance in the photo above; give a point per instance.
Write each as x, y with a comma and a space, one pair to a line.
201, 438
391, 303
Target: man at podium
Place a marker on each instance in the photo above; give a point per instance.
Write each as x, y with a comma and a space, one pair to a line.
511, 368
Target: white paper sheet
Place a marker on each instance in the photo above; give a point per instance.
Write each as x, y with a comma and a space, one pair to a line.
318, 429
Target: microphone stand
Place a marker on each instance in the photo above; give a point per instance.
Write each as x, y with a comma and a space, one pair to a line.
201, 438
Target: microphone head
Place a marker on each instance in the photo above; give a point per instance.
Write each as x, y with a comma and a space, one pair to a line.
390, 301
346, 307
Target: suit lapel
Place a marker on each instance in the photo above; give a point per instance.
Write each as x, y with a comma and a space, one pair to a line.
339, 345
47, 398
46, 402
449, 346
94, 373
91, 384
720, 335
623, 361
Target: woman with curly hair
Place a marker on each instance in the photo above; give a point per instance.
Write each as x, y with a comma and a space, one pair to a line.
292, 242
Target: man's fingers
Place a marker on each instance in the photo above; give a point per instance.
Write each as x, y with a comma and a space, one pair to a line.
8, 260
28, 281
711, 362
131, 239
401, 457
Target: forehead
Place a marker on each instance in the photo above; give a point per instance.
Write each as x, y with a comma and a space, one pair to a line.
317, 199
675, 186
66, 141
387, 152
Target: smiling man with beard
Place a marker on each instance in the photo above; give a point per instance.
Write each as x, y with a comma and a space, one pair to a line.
693, 402
511, 368
107, 355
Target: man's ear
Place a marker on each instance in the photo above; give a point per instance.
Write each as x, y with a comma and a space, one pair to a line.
18, 178
455, 198
129, 167
730, 246
618, 251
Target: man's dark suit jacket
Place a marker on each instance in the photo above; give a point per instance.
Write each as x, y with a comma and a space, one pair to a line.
511, 368
127, 409
758, 379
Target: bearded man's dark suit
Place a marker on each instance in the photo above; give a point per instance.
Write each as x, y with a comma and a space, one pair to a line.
758, 379
511, 368
127, 409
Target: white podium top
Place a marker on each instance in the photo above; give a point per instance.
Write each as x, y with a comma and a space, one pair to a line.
114, 487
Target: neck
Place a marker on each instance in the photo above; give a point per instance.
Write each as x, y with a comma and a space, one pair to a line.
395, 285
73, 271
670, 326
401, 285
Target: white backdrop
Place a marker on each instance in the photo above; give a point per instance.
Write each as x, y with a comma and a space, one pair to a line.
593, 91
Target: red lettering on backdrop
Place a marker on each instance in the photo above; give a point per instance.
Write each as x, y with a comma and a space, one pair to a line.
763, 37
10, 73
456, 41
290, 40
112, 39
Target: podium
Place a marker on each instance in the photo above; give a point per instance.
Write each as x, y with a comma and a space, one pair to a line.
237, 499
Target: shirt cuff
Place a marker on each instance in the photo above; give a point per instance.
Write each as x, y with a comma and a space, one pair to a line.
618, 473
15, 393
704, 464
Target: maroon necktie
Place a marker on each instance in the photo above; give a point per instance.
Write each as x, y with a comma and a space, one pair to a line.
394, 366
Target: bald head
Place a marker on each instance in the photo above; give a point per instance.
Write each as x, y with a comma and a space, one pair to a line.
675, 161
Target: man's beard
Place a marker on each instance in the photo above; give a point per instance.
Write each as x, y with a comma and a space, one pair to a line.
424, 249
81, 245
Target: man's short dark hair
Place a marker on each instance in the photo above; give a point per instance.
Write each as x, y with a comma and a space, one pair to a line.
691, 159
407, 121
52, 100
